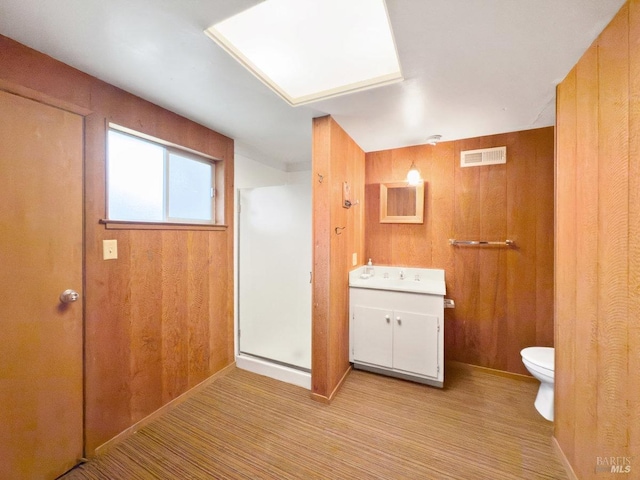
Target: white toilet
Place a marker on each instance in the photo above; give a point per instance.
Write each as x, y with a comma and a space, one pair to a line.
539, 362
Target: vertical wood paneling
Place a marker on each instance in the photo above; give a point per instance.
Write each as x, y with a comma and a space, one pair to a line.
346, 165
377, 170
174, 317
338, 354
173, 327
321, 151
160, 317
613, 228
521, 299
633, 324
469, 277
545, 213
355, 221
440, 207
499, 307
565, 300
198, 307
597, 345
145, 293
338, 159
468, 209
105, 415
220, 325
586, 332
411, 243
491, 295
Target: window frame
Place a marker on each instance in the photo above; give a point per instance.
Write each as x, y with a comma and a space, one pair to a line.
168, 223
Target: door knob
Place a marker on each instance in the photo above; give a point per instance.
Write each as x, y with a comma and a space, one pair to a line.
69, 296
399, 320
387, 318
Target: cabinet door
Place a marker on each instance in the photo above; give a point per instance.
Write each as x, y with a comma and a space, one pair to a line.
415, 343
372, 336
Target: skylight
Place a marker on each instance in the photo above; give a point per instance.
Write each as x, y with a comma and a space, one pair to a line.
307, 50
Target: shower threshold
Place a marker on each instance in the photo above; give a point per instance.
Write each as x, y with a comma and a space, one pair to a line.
274, 369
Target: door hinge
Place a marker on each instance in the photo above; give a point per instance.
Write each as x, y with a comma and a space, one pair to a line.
213, 192
438, 368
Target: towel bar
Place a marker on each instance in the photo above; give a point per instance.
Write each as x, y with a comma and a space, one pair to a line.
455, 243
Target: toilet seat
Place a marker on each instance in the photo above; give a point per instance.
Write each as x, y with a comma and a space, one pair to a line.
540, 363
540, 356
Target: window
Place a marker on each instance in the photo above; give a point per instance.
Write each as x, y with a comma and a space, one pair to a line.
148, 181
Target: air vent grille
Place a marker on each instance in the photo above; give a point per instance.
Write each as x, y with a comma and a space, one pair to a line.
483, 156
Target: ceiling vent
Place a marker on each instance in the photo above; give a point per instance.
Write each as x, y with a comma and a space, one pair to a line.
483, 156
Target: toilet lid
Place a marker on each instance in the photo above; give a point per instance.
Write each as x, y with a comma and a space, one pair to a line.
542, 356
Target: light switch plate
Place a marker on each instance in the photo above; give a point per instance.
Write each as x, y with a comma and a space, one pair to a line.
109, 249
354, 259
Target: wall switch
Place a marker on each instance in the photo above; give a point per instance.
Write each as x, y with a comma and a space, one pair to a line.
354, 259
109, 249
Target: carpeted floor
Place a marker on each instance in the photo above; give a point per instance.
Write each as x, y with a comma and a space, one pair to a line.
245, 426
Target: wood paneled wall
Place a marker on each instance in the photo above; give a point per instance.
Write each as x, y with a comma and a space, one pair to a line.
598, 252
338, 233
503, 296
159, 319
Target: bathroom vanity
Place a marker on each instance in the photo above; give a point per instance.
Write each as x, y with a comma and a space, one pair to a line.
396, 322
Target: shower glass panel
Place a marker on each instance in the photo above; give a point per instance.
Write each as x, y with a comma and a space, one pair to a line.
274, 294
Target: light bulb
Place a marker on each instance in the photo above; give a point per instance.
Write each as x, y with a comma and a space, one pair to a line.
413, 176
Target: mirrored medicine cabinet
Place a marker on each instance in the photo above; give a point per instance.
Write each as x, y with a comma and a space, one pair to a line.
401, 202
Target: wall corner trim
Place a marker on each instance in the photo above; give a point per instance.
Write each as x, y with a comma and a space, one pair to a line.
563, 459
327, 400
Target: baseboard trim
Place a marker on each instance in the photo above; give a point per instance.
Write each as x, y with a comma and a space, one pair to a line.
327, 400
161, 411
493, 371
563, 459
320, 398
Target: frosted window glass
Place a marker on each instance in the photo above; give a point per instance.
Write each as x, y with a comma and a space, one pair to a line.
189, 188
136, 179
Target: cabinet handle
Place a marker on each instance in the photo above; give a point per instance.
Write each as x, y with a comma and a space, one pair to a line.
399, 320
388, 318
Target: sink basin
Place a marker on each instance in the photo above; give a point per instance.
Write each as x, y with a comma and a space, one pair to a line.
400, 279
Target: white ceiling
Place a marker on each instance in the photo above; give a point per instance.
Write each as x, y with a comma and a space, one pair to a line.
471, 67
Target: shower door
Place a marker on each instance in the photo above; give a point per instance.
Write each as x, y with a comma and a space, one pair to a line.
274, 282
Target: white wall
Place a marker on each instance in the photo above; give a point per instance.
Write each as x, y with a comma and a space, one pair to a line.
251, 174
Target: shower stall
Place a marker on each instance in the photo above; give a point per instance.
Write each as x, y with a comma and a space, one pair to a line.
274, 281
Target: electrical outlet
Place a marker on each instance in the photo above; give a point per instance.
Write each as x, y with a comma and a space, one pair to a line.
354, 259
109, 249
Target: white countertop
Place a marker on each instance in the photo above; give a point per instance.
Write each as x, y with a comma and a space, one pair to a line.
415, 280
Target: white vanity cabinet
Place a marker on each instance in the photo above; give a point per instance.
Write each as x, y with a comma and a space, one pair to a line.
398, 333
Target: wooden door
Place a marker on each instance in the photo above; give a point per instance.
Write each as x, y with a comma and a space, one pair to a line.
40, 256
